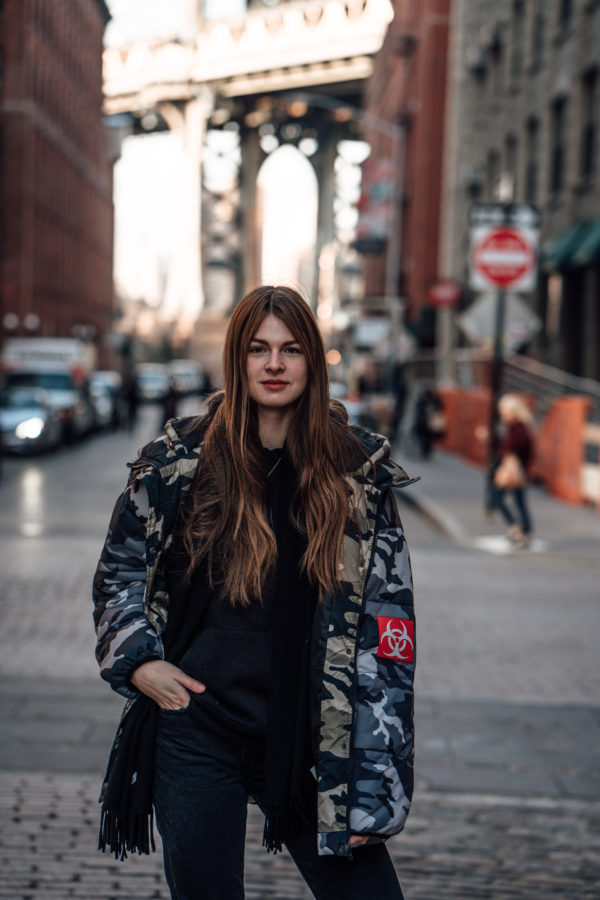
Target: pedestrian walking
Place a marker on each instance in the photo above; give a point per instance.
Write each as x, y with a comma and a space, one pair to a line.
430, 421
511, 475
131, 400
253, 601
168, 409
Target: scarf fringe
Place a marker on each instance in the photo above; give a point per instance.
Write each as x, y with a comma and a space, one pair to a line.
284, 821
135, 835
276, 830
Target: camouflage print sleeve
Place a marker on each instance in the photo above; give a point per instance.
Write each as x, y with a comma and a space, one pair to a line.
382, 780
125, 636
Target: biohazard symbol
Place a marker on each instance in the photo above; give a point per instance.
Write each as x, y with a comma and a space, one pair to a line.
396, 638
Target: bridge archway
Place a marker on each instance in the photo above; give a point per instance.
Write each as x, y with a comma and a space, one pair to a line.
288, 202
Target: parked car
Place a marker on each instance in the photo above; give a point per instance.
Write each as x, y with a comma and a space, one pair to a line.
28, 421
70, 400
154, 382
106, 392
187, 376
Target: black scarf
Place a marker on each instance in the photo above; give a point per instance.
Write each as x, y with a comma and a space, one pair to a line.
290, 788
126, 818
126, 821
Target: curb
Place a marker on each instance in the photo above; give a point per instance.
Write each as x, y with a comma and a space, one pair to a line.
437, 515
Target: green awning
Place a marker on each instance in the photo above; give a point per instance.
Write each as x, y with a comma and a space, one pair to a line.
588, 250
576, 247
559, 254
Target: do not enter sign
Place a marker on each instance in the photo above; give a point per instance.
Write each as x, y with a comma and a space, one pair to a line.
503, 257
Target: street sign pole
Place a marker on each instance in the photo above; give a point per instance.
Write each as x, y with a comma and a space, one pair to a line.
504, 240
495, 390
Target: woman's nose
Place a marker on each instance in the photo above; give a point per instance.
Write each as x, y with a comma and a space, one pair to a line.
275, 360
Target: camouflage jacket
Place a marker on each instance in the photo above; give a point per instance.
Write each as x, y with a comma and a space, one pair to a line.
363, 654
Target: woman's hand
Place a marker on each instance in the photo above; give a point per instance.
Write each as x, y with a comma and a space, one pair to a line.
167, 685
358, 840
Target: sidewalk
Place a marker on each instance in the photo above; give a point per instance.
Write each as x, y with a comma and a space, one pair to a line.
451, 495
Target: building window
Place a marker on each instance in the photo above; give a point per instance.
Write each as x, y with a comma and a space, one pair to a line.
589, 123
510, 161
531, 161
558, 138
538, 27
565, 13
516, 40
492, 173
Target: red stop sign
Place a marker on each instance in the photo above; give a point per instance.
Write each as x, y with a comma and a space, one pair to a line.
444, 293
504, 256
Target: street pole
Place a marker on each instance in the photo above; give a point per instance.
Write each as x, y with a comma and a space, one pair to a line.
505, 191
504, 242
495, 390
394, 243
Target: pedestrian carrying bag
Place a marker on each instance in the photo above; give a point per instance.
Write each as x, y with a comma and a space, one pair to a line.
510, 473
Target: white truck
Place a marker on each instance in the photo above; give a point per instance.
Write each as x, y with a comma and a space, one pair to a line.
61, 366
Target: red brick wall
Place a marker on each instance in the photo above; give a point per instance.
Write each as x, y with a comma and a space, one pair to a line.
414, 86
55, 172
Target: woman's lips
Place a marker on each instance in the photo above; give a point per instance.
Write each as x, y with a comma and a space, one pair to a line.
274, 385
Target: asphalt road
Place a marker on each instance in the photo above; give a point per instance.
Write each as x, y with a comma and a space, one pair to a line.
507, 802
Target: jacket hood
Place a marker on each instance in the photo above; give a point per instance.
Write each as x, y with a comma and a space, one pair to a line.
387, 472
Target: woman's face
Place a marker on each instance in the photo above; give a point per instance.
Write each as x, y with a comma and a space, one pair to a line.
277, 369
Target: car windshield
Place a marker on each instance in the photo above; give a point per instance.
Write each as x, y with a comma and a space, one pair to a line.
51, 381
19, 399
153, 379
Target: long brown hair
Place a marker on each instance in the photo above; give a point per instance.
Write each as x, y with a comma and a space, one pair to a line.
226, 523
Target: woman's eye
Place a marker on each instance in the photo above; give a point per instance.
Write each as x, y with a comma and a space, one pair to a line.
292, 350
256, 350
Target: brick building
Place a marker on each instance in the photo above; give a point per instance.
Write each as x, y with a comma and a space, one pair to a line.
55, 173
408, 89
524, 100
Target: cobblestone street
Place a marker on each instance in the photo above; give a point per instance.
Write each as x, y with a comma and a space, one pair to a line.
507, 801
455, 846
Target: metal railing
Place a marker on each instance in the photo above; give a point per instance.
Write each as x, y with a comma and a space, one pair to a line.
547, 383
471, 368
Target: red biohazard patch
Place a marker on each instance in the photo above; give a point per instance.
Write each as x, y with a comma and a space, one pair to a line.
396, 639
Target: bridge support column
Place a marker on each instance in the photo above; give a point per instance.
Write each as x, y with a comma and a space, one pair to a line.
186, 290
324, 165
252, 157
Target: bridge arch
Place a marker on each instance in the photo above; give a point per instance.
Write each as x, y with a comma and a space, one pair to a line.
288, 201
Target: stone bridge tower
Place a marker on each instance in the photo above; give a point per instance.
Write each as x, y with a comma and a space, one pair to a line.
286, 69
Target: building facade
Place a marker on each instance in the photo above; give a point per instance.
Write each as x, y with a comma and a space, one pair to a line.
524, 102
55, 172
408, 89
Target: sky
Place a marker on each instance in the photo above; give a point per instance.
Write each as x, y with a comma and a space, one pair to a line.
140, 19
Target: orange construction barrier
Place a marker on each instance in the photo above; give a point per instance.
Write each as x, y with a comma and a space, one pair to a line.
559, 447
467, 412
559, 443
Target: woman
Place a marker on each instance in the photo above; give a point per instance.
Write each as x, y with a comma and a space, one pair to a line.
515, 455
254, 602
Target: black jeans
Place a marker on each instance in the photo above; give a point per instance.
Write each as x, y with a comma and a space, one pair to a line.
522, 513
201, 788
